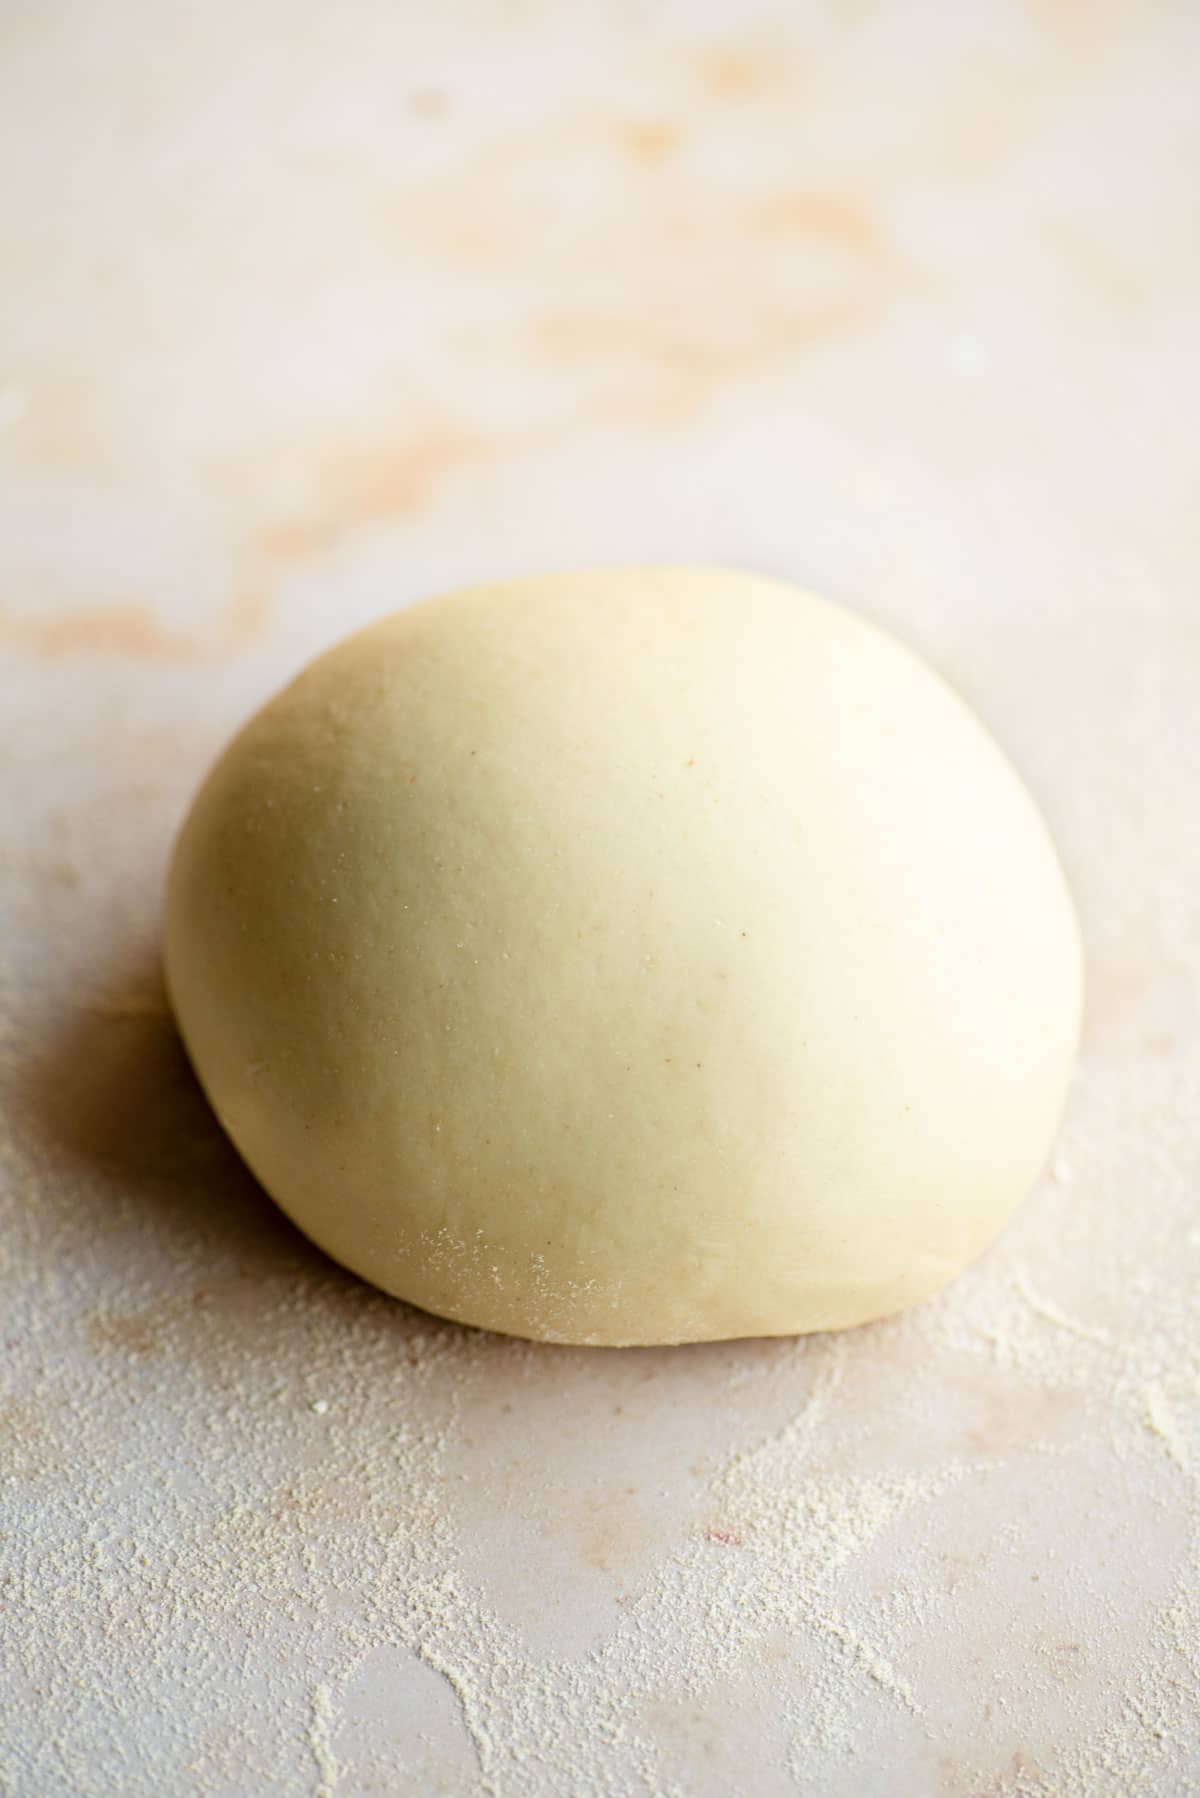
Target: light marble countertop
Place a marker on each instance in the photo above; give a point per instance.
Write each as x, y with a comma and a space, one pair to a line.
307, 311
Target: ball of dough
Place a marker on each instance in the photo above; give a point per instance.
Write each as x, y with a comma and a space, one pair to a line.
638, 956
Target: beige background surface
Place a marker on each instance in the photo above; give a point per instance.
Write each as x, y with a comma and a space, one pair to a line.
305, 312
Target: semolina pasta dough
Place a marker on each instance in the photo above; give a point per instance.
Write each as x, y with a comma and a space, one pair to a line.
638, 956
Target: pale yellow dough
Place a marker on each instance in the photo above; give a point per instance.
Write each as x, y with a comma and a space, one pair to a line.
626, 957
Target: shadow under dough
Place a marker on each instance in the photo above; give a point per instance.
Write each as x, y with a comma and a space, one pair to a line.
115, 1092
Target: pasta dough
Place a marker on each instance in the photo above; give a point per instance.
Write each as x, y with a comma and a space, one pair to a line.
633, 956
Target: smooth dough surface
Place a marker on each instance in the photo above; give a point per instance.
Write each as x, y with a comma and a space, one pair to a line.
636, 956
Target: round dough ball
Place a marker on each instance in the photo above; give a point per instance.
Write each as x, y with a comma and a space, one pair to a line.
638, 956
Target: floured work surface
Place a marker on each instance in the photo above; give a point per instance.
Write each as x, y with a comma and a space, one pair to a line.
333, 324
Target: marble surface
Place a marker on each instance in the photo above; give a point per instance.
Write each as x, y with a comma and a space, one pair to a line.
306, 312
